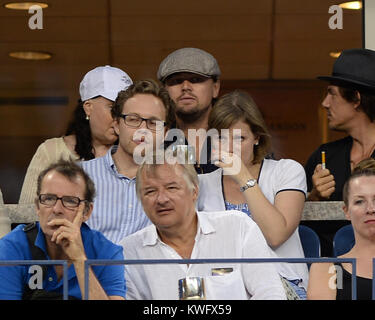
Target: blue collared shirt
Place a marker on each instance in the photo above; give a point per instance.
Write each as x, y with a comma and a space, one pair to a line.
14, 246
117, 211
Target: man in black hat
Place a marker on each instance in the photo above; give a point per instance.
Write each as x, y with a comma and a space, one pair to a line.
191, 77
350, 106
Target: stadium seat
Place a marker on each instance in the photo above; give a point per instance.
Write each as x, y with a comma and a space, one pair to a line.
343, 240
310, 242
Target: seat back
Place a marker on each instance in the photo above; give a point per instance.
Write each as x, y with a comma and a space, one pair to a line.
343, 240
310, 242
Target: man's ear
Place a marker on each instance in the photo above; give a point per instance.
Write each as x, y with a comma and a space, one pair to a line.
358, 103
36, 201
216, 89
87, 212
116, 126
195, 192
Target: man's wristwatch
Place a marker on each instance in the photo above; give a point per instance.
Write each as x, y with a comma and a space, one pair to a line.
249, 184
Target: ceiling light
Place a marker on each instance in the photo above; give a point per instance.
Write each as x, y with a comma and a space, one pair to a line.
353, 5
30, 55
24, 5
335, 54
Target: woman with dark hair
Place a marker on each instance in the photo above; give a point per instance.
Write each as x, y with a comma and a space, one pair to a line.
271, 192
79, 131
90, 134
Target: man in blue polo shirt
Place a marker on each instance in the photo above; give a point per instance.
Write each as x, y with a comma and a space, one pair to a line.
64, 203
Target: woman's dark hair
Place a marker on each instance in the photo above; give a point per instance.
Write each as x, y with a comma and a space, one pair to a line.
80, 127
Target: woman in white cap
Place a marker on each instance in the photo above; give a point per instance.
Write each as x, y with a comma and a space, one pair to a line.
90, 133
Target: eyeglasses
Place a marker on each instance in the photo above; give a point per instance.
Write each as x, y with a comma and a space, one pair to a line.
174, 80
68, 202
135, 121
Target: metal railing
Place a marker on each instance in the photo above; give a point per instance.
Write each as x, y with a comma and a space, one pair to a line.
352, 261
91, 262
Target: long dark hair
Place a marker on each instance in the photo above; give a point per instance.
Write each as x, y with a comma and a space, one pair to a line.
80, 127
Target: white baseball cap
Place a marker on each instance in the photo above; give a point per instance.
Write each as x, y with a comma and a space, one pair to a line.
104, 81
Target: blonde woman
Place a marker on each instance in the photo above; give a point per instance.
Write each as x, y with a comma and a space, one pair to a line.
359, 207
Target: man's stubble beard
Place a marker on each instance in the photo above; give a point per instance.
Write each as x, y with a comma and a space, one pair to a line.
192, 115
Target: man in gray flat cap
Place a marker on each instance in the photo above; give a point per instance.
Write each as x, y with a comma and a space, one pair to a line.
191, 77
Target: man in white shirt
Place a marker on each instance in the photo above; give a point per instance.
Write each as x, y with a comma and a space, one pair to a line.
168, 193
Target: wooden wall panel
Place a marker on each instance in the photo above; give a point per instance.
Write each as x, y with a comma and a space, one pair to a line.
302, 42
68, 8
303, 7
32, 121
55, 29
206, 7
312, 27
191, 28
303, 60
64, 54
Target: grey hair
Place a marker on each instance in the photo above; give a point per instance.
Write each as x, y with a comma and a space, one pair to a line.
150, 164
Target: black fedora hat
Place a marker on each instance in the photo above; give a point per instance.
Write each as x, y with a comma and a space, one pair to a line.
354, 68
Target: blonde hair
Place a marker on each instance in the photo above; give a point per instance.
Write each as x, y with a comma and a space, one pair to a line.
364, 168
150, 164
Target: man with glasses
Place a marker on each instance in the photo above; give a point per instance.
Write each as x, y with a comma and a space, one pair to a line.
142, 114
191, 77
64, 203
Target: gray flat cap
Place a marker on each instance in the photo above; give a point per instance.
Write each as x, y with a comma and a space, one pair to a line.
189, 60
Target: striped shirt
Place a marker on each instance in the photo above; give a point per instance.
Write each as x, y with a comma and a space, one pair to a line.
117, 211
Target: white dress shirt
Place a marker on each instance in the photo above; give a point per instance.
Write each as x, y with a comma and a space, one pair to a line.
219, 235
